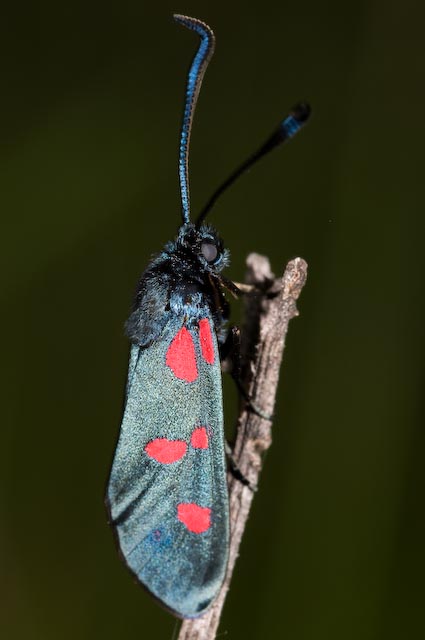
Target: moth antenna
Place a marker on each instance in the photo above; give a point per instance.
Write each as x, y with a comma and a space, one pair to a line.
194, 81
293, 122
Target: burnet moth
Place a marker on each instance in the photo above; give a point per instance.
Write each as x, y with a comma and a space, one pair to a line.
167, 493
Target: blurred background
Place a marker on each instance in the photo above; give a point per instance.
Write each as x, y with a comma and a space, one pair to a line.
91, 104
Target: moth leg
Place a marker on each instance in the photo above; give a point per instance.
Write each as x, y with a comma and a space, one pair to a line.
234, 469
254, 408
245, 288
230, 353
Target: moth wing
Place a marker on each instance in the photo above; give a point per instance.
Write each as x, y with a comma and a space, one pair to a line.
167, 492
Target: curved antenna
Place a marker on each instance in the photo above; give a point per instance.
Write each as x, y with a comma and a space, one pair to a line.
194, 81
295, 120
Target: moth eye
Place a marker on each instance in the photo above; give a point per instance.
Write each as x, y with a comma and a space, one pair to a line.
209, 251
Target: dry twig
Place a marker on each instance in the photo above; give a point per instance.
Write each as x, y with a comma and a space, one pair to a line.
266, 323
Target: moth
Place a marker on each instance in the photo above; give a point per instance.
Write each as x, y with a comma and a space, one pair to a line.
167, 495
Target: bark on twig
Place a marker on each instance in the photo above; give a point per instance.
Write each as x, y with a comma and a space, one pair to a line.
263, 337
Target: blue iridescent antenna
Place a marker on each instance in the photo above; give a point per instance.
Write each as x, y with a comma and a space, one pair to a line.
194, 81
293, 122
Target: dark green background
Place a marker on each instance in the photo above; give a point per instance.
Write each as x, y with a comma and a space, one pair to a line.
91, 101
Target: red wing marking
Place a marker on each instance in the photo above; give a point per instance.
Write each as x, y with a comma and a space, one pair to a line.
166, 451
181, 356
197, 519
205, 338
199, 439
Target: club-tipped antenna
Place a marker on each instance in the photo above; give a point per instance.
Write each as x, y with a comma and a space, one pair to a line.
194, 81
293, 122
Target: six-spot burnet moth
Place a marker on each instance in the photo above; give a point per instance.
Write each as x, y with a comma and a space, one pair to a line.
167, 493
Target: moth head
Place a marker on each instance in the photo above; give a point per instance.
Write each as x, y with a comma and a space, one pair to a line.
203, 245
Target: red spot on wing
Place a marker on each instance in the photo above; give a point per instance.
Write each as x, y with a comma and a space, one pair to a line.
205, 338
181, 356
197, 519
199, 439
166, 451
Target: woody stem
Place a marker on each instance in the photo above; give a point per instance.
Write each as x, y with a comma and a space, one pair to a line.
262, 342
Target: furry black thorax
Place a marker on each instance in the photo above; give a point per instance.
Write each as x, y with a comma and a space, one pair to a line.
180, 281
